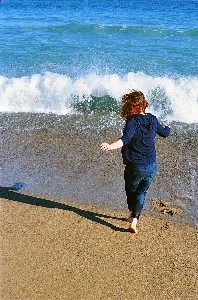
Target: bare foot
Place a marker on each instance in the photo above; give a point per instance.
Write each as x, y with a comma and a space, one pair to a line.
132, 225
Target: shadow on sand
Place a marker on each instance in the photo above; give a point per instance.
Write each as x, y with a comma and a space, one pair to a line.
12, 194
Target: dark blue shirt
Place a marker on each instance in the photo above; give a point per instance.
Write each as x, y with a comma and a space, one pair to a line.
139, 139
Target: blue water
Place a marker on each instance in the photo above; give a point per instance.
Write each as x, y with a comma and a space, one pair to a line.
78, 37
79, 49
75, 59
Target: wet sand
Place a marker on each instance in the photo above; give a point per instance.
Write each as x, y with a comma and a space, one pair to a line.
63, 250
59, 158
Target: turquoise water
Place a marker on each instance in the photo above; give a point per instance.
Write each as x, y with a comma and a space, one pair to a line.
62, 62
54, 52
78, 37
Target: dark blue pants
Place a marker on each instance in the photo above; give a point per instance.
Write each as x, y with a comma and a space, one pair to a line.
137, 181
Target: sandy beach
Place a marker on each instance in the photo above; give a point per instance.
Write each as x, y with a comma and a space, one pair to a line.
65, 66
62, 250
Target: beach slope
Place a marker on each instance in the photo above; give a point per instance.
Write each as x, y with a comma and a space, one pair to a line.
62, 250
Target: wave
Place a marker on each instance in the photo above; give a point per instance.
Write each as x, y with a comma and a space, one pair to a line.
174, 99
154, 31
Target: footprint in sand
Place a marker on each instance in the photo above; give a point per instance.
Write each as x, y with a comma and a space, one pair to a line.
167, 208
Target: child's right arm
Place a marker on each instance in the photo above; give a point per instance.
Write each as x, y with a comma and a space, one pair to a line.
113, 146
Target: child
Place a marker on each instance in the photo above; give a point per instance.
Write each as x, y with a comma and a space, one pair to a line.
138, 151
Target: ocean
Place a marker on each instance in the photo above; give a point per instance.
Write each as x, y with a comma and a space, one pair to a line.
64, 66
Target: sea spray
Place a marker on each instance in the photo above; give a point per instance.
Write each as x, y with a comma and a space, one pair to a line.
174, 99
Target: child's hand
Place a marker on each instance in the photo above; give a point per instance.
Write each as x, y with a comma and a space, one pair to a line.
113, 146
105, 146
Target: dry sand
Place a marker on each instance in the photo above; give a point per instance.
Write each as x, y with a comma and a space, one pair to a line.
62, 250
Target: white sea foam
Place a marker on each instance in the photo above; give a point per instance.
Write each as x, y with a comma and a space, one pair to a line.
171, 98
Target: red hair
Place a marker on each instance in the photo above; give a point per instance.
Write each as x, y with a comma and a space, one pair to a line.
134, 103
